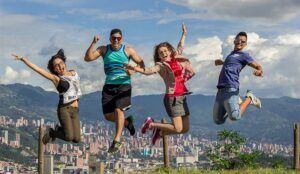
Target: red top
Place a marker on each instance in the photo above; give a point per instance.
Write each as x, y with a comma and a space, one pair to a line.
176, 68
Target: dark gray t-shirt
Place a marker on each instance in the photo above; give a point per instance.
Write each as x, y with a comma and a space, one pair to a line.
233, 64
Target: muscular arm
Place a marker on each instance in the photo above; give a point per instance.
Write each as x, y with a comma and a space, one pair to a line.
92, 53
258, 71
41, 71
131, 53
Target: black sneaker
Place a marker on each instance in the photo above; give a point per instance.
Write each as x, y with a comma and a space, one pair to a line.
130, 125
115, 147
56, 129
46, 137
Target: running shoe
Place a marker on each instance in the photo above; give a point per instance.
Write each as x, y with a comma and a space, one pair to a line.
255, 101
146, 125
130, 125
115, 147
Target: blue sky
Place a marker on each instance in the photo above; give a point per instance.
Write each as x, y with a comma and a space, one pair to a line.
38, 28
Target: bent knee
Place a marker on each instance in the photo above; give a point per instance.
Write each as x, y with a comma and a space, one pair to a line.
235, 115
178, 130
185, 130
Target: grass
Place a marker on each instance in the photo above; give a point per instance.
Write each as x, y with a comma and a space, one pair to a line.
245, 171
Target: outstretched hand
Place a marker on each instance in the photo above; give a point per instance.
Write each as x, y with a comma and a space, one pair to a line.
129, 68
17, 57
96, 39
183, 29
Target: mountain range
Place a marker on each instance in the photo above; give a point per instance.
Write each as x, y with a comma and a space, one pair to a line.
273, 123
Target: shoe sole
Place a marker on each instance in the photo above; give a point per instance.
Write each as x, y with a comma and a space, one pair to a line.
258, 105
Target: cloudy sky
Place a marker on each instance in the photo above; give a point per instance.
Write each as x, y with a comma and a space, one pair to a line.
38, 28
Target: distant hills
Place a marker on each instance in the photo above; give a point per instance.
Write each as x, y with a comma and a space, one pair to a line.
273, 123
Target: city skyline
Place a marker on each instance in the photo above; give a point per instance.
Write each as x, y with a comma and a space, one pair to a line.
137, 153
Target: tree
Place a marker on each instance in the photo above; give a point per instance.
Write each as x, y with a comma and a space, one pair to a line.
227, 153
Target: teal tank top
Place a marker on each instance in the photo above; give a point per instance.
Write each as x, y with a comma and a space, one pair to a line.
114, 67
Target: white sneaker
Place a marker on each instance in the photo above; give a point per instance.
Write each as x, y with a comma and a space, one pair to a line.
254, 100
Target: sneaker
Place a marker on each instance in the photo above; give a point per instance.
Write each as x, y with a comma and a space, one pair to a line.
146, 124
130, 125
115, 147
156, 135
46, 138
56, 129
254, 100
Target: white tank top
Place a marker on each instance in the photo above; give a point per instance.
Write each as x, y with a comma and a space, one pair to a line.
74, 92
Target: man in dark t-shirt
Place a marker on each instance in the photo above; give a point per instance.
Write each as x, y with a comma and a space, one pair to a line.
228, 103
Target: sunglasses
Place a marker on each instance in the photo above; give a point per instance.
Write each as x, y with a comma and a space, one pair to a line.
115, 37
240, 41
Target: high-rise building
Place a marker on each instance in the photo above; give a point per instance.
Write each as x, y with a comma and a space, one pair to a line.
18, 139
2, 120
79, 161
48, 164
42, 121
5, 135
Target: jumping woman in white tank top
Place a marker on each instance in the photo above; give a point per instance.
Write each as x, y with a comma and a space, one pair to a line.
67, 83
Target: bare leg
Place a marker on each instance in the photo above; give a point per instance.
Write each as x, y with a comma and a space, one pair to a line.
244, 105
179, 125
112, 117
119, 114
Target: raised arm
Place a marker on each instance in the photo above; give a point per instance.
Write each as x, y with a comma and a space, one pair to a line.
92, 53
258, 71
181, 41
41, 71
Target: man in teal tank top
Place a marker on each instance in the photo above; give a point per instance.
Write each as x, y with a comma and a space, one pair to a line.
116, 93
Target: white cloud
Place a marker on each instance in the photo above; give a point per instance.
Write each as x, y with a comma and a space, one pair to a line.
25, 74
211, 48
55, 2
97, 14
267, 10
289, 39
10, 75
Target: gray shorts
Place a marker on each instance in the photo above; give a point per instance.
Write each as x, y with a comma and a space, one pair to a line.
176, 106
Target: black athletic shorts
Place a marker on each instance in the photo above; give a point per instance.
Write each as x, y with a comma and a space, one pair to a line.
116, 96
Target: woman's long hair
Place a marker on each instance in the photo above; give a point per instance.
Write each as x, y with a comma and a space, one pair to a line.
163, 44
